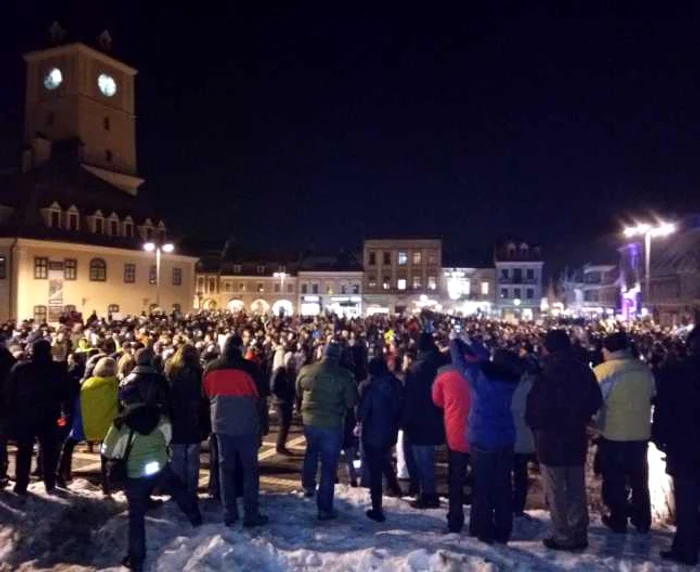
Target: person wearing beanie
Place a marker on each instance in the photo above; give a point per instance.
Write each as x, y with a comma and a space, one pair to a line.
563, 399
237, 393
145, 384
628, 388
324, 392
35, 392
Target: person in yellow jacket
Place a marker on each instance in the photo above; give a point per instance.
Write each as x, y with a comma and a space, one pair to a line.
94, 412
624, 421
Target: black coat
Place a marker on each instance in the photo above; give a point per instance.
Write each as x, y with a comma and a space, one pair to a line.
6, 363
560, 405
145, 385
380, 409
35, 393
422, 420
283, 386
189, 409
677, 418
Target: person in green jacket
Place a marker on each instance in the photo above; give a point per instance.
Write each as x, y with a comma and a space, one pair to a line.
325, 391
149, 434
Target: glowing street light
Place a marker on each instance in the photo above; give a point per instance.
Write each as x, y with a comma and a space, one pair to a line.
158, 248
649, 231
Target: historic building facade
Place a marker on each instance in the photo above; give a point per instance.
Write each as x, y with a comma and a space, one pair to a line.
519, 270
72, 224
592, 291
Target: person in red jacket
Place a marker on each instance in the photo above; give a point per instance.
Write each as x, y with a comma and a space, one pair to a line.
451, 394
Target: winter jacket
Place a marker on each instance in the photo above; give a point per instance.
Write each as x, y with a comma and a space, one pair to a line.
490, 424
451, 394
422, 420
379, 411
560, 405
35, 392
145, 385
283, 387
190, 411
6, 363
325, 391
677, 418
237, 393
628, 388
95, 408
150, 432
524, 440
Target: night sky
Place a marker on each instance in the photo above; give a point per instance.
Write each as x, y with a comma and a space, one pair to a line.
291, 124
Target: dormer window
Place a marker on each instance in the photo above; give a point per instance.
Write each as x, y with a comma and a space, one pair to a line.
162, 233
147, 230
260, 269
128, 227
98, 222
113, 225
52, 215
72, 219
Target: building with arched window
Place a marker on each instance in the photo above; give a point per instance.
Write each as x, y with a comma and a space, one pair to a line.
73, 219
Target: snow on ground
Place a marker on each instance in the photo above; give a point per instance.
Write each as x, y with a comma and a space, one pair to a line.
81, 531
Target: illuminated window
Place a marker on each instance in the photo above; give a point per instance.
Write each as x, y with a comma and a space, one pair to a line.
431, 258
329, 287
40, 314
416, 283
356, 288
130, 275
403, 258
242, 286
153, 274
70, 269
177, 277
387, 258
484, 288
236, 268
386, 283
432, 283
41, 268
98, 270
371, 282
417, 257
261, 287
401, 283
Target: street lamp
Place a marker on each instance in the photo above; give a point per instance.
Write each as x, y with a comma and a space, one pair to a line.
649, 231
158, 248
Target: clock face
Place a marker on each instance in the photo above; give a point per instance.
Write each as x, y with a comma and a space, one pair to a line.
107, 85
53, 79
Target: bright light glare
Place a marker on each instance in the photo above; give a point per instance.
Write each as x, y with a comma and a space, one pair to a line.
151, 468
639, 230
168, 248
663, 229
149, 246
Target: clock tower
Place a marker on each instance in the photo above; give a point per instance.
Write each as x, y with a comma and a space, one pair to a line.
76, 92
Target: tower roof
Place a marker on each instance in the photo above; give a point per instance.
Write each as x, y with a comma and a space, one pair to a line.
83, 48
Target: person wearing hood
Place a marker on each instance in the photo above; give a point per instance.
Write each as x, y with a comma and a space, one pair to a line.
422, 421
145, 384
490, 433
628, 388
237, 393
283, 393
146, 433
95, 409
560, 405
325, 391
35, 392
379, 415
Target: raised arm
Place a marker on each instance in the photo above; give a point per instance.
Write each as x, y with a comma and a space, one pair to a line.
468, 368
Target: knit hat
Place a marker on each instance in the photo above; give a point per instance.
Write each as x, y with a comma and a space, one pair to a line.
557, 341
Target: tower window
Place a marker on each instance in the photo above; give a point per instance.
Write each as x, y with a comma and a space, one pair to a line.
108, 156
106, 123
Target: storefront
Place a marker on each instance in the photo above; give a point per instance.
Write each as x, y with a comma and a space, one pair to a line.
350, 306
310, 306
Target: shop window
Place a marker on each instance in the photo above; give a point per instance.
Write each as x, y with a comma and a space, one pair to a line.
40, 314
41, 268
70, 269
129, 273
98, 270
177, 277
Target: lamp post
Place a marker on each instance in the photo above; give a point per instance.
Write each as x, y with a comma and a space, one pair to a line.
158, 248
649, 231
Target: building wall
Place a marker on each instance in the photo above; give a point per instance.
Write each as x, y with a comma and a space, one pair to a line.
517, 291
87, 295
224, 292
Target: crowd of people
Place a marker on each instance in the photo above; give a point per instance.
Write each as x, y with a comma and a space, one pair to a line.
501, 396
